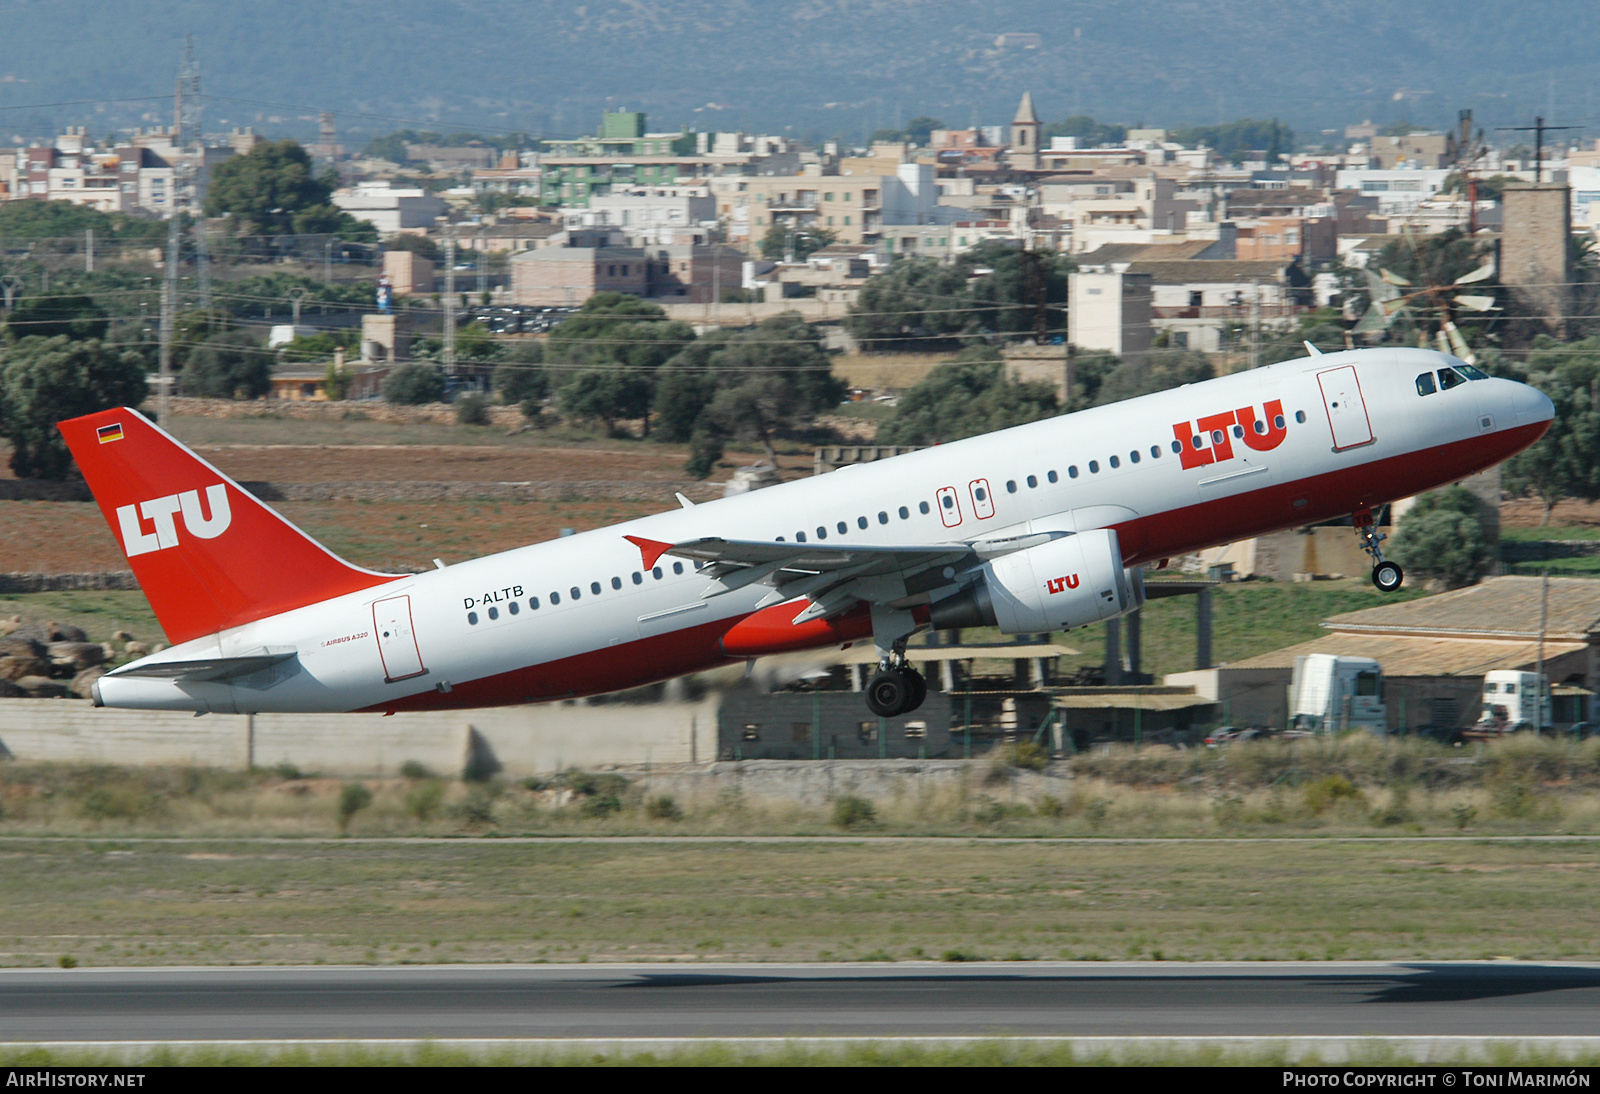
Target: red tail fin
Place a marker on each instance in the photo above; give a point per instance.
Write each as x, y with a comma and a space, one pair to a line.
207, 554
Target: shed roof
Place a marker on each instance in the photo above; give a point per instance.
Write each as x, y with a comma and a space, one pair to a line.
1503, 607
1402, 655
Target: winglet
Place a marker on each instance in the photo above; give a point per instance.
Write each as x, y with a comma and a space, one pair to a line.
649, 549
1311, 349
683, 499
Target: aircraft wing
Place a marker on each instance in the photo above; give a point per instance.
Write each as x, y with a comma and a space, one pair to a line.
832, 578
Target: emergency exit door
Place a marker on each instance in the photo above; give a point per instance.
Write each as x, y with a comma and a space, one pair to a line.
397, 642
1347, 411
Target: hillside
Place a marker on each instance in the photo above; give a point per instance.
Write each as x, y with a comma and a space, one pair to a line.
819, 67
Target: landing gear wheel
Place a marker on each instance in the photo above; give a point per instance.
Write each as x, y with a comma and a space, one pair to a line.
1387, 576
888, 693
919, 689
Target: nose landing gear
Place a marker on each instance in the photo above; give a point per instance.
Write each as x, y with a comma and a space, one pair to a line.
1386, 575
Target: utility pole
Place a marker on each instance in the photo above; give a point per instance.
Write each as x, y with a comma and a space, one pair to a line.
483, 270
202, 263
88, 250
169, 301
1538, 129
449, 300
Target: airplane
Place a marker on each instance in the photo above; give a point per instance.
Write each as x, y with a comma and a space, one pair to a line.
1041, 527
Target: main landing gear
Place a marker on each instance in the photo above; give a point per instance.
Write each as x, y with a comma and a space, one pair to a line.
1386, 575
896, 690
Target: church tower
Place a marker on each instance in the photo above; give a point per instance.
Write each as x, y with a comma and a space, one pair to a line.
1024, 153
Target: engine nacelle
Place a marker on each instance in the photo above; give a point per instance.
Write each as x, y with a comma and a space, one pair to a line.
1068, 582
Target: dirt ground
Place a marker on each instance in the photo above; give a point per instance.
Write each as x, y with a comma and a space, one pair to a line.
72, 537
1529, 513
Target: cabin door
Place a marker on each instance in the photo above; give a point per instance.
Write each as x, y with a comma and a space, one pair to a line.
1347, 412
397, 642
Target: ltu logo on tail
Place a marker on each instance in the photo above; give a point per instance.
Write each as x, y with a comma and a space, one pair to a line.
1062, 584
160, 511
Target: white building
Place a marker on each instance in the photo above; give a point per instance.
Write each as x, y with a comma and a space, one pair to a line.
391, 209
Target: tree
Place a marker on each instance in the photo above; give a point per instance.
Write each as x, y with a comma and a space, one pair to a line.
1442, 537
47, 380
520, 377
993, 288
802, 242
616, 343
1234, 139
756, 383
1563, 462
271, 190
1088, 132
964, 399
1157, 370
229, 365
608, 394
75, 317
414, 384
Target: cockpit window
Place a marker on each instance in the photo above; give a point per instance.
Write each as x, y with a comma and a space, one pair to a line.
1471, 372
1425, 384
1449, 378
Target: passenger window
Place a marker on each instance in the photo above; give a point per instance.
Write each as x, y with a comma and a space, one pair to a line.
494, 613
1155, 452
1177, 446
1217, 436
1011, 486
1115, 463
1299, 416
1094, 467
514, 608
883, 517
948, 501
594, 587
799, 537
1072, 471
655, 572
1033, 481
472, 618
1133, 457
843, 527
1238, 431
1052, 476
905, 514
555, 598
677, 567
822, 533
861, 522
1449, 378
533, 602
575, 593
616, 583
980, 494
922, 507
638, 578
1425, 384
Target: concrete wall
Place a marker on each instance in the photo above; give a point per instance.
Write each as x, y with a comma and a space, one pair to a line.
516, 741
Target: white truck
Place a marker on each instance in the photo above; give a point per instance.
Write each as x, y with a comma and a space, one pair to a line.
1514, 700
1330, 693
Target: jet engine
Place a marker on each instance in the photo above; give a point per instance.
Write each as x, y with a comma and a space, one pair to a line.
1068, 582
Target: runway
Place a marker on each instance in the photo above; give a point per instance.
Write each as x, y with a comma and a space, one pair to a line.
753, 1000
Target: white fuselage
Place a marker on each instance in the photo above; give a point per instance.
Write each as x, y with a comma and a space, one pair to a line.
605, 622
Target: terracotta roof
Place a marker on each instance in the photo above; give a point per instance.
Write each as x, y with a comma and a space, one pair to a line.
1193, 270
1409, 656
1504, 607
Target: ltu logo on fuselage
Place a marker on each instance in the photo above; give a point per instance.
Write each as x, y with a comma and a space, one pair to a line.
159, 512
1210, 440
1062, 584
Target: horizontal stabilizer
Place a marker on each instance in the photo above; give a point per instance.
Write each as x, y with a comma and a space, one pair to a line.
208, 670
